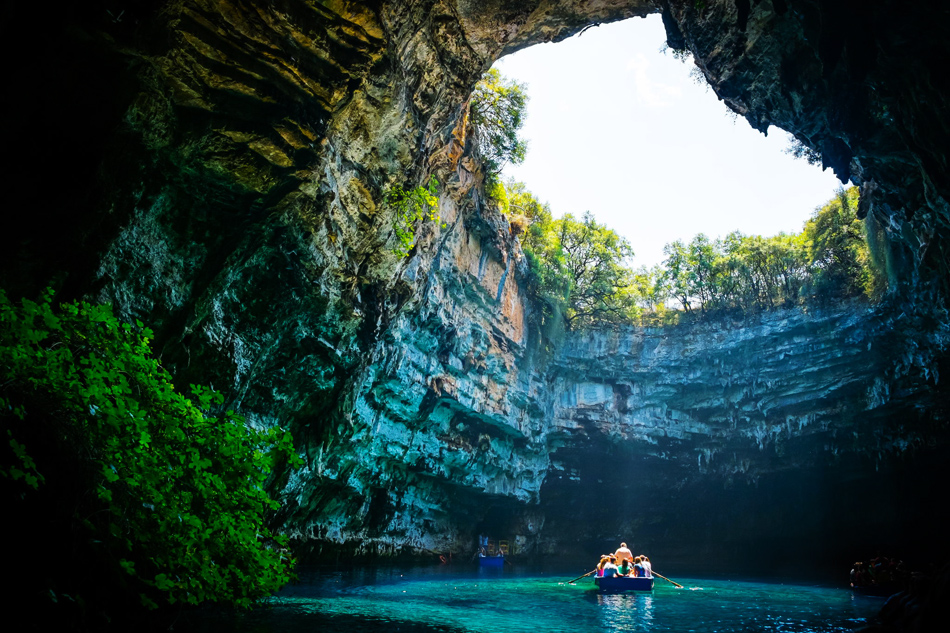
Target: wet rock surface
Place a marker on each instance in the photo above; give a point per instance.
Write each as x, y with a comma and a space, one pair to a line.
217, 169
788, 438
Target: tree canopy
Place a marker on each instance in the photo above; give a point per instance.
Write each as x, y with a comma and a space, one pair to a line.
497, 110
127, 492
580, 270
579, 267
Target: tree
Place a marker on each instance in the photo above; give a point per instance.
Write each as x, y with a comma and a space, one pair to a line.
410, 208
594, 258
578, 270
525, 212
736, 283
650, 292
126, 492
497, 109
837, 250
702, 279
797, 149
678, 274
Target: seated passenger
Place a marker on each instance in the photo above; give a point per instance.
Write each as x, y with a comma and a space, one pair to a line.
625, 568
638, 569
610, 569
600, 565
648, 566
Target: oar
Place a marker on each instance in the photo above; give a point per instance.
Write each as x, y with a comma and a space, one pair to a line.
668, 580
584, 576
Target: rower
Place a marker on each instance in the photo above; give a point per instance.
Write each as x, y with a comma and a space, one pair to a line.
623, 553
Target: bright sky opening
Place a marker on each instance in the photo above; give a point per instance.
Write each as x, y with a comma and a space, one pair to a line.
617, 127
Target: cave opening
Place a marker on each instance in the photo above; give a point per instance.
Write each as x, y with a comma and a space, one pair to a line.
618, 126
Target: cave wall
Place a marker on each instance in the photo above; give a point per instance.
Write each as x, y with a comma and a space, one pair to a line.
217, 169
799, 435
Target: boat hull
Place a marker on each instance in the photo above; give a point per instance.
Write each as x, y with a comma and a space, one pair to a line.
882, 591
614, 584
491, 561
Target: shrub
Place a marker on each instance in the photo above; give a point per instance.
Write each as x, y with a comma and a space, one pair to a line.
125, 491
411, 207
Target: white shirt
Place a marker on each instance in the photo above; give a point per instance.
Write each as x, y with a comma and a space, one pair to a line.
623, 553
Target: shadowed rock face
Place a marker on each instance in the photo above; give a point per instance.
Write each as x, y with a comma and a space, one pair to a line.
217, 169
788, 438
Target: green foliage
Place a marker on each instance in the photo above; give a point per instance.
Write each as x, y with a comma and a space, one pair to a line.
514, 199
829, 260
678, 277
578, 266
649, 289
797, 149
497, 110
837, 250
579, 275
411, 207
529, 217
682, 55
156, 498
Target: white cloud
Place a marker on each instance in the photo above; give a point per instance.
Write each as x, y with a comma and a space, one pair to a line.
650, 93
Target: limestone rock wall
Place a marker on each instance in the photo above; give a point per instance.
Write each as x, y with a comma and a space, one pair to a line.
747, 439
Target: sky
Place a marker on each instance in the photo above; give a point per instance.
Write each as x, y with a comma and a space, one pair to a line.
616, 127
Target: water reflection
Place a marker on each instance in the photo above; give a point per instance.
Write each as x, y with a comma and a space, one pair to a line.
626, 611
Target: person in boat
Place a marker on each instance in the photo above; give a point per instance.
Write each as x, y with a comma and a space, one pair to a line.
623, 553
639, 570
857, 573
610, 569
624, 569
647, 565
600, 566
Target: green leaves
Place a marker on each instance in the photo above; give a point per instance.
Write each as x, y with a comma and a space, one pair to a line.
497, 110
829, 260
838, 250
172, 488
410, 208
579, 272
579, 267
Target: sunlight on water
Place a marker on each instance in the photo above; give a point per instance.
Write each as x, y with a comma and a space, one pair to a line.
469, 602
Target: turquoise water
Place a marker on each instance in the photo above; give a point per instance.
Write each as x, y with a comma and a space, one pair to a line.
488, 601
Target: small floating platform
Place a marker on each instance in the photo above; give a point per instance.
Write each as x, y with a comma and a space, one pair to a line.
615, 584
491, 561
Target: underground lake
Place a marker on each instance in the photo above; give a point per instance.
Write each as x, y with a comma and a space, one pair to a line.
460, 599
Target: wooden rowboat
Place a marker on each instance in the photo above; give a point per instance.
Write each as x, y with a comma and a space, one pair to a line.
614, 584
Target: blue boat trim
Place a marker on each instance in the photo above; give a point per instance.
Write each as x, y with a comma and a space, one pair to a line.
624, 583
491, 561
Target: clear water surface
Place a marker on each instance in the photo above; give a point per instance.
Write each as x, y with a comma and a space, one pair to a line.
446, 599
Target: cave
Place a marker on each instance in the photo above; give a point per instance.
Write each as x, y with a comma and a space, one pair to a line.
217, 169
